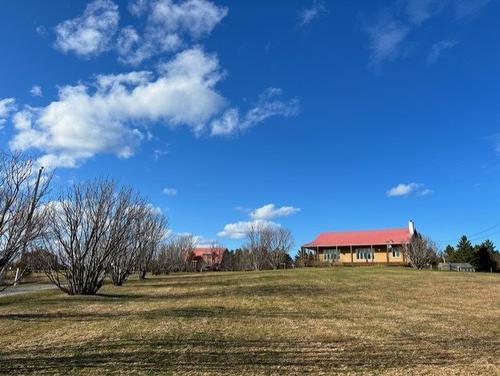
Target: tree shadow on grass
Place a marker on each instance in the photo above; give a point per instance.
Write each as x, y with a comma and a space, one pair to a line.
284, 291
206, 355
191, 312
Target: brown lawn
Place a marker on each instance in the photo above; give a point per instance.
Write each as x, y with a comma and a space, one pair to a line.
373, 320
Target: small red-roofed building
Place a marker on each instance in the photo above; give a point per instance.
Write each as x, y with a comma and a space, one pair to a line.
208, 257
362, 247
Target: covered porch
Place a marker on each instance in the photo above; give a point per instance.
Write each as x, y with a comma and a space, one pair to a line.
358, 254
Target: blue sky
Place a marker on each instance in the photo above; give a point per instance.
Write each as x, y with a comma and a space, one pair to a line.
314, 115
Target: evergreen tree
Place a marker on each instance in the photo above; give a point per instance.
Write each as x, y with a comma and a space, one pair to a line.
227, 263
484, 259
464, 251
449, 253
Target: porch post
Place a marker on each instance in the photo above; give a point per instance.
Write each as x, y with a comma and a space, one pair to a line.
371, 250
387, 245
352, 258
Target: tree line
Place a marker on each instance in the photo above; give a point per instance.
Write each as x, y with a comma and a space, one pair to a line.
98, 230
482, 256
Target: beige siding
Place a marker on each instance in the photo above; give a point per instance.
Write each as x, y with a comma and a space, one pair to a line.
380, 255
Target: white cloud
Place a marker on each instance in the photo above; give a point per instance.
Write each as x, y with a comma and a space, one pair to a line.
7, 106
408, 189
36, 91
240, 229
268, 105
228, 123
169, 191
91, 33
425, 192
85, 121
168, 26
438, 49
158, 153
41, 30
307, 15
402, 189
270, 211
258, 217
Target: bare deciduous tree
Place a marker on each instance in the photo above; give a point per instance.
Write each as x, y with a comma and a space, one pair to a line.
268, 245
174, 256
258, 242
85, 227
155, 229
420, 251
146, 229
21, 213
280, 245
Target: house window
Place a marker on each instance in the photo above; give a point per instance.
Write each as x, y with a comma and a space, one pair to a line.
396, 252
364, 254
331, 254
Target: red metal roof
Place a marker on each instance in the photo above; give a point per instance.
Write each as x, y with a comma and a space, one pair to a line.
365, 237
216, 252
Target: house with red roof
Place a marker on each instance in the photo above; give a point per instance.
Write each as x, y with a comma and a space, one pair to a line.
362, 247
208, 257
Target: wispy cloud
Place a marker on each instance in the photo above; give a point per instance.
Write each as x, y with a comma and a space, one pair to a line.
169, 191
7, 106
389, 30
269, 105
469, 8
386, 41
158, 153
36, 91
439, 48
495, 139
308, 15
410, 189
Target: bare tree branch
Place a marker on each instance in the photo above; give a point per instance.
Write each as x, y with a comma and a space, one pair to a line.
21, 211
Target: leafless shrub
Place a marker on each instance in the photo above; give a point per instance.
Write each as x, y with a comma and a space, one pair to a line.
420, 251
86, 226
21, 212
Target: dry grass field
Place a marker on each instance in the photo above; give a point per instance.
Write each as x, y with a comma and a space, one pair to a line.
373, 320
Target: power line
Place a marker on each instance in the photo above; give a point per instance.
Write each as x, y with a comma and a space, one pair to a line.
475, 236
482, 232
